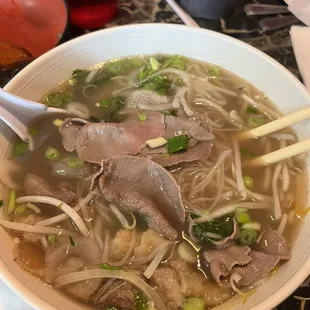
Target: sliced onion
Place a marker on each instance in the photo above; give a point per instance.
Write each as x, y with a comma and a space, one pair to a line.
60, 204
147, 290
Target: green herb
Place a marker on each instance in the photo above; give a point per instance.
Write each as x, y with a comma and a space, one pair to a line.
252, 110
75, 162
242, 218
141, 222
140, 301
246, 152
58, 100
21, 208
223, 226
172, 112
159, 84
110, 108
214, 71
52, 154
175, 62
109, 307
20, 149
194, 303
142, 117
248, 181
154, 63
256, 121
72, 241
12, 201
1, 203
248, 237
58, 122
177, 143
51, 238
33, 131
109, 267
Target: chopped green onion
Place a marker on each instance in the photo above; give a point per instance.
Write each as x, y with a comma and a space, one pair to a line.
242, 218
12, 201
256, 121
58, 122
245, 151
58, 100
154, 63
252, 225
51, 238
1, 203
33, 131
75, 162
20, 149
52, 154
194, 303
177, 143
140, 301
252, 110
21, 208
109, 267
214, 71
248, 237
248, 181
241, 210
72, 241
172, 112
157, 142
142, 117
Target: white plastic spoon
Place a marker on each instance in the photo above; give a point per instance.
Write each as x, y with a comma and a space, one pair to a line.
17, 112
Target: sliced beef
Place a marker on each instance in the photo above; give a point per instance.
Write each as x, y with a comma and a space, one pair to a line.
63, 258
222, 261
34, 185
168, 282
259, 267
274, 244
139, 185
200, 151
187, 126
94, 142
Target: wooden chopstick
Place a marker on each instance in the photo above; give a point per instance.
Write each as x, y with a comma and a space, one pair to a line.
275, 125
281, 154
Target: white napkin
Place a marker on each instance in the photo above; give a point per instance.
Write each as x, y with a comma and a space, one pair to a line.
301, 43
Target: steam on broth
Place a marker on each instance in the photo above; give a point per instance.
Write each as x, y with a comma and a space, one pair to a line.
112, 203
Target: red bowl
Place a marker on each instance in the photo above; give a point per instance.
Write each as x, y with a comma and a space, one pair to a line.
34, 25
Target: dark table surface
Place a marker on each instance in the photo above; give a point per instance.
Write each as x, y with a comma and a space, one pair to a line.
277, 44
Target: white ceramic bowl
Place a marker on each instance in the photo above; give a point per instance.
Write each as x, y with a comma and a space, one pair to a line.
265, 73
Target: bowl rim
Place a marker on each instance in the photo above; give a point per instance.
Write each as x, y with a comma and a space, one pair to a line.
295, 281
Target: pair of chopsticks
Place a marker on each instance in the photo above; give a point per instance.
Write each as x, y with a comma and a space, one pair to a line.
283, 122
278, 124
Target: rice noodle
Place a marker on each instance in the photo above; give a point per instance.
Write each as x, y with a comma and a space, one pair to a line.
126, 257
239, 178
147, 290
37, 229
156, 261
122, 218
60, 204
282, 224
275, 192
64, 216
